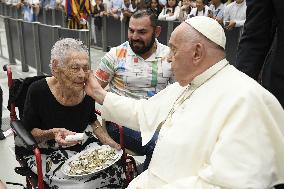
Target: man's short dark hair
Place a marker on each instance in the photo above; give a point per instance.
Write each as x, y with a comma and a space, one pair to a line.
146, 12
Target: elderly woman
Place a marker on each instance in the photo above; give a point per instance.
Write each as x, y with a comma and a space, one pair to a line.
57, 106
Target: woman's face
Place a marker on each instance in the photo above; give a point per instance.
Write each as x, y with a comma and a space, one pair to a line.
186, 2
199, 4
154, 4
74, 72
98, 2
172, 3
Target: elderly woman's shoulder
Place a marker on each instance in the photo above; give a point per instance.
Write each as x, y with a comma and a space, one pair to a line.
89, 99
36, 84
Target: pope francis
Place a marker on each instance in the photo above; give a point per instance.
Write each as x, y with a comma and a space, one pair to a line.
218, 128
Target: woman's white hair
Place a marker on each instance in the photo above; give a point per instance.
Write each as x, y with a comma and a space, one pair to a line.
62, 47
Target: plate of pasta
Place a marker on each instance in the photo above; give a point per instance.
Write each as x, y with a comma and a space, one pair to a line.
90, 161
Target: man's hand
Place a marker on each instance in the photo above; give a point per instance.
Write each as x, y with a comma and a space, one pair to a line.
94, 89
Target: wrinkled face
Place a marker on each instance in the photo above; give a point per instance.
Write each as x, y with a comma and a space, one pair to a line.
172, 3
141, 35
180, 57
154, 4
74, 72
199, 4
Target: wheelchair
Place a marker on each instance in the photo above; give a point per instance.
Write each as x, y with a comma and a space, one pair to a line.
17, 93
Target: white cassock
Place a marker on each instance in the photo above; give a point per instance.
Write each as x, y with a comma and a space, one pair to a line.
223, 131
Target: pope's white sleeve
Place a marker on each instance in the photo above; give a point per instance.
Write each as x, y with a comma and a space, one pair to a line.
247, 152
141, 115
121, 110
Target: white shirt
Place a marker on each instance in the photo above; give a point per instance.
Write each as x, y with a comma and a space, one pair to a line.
163, 2
164, 15
229, 133
199, 13
218, 12
129, 8
236, 12
33, 2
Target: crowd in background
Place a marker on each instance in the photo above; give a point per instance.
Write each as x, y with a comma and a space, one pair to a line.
229, 13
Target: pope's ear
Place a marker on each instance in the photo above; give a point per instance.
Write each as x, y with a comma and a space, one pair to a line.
157, 31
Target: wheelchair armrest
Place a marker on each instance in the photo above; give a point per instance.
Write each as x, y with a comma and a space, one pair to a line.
24, 134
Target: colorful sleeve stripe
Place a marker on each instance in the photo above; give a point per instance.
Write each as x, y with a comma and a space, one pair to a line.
121, 52
107, 63
102, 75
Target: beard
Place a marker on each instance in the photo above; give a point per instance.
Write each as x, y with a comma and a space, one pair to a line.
144, 47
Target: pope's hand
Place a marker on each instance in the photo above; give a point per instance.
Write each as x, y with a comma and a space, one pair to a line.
94, 89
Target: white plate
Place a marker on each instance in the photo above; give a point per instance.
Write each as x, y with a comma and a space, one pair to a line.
75, 160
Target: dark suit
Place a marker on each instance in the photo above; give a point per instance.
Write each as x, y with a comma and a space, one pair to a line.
264, 18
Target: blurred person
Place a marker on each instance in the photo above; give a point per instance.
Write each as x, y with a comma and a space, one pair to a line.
228, 2
261, 49
30, 10
162, 3
235, 14
127, 10
77, 12
201, 9
171, 11
56, 107
107, 4
155, 7
115, 8
138, 69
140, 4
185, 9
218, 128
60, 4
217, 10
99, 12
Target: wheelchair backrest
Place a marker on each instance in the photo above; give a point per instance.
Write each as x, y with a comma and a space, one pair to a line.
18, 92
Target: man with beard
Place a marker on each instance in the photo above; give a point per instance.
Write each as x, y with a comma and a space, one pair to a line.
138, 69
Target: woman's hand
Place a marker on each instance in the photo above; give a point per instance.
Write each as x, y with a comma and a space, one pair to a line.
103, 136
231, 25
60, 135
